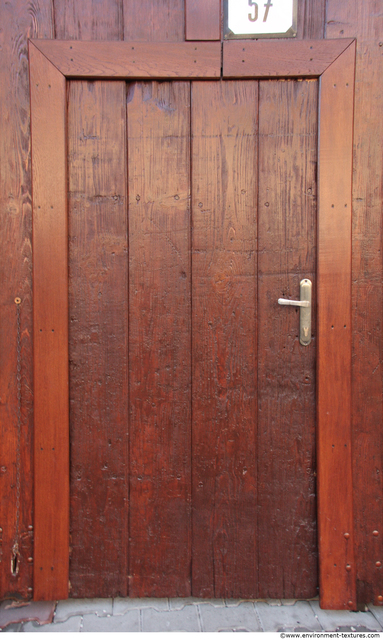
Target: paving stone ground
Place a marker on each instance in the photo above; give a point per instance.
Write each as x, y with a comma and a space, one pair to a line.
196, 615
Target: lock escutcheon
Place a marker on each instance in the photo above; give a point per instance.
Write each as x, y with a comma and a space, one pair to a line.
305, 310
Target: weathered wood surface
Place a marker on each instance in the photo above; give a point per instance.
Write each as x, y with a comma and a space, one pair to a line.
313, 14
91, 202
154, 20
125, 60
88, 19
365, 22
99, 20
202, 19
279, 58
50, 329
159, 338
224, 189
98, 335
335, 510
19, 20
286, 371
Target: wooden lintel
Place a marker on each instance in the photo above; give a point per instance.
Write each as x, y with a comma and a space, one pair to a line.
132, 60
280, 58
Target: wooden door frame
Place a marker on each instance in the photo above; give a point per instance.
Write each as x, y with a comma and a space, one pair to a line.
52, 63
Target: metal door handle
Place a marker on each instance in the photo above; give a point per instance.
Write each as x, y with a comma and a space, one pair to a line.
305, 310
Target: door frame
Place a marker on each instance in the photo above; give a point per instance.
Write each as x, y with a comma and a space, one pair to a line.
52, 63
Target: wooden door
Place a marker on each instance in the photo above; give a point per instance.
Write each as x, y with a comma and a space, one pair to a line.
192, 208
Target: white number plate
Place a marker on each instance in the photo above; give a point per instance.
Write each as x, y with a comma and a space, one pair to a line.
268, 18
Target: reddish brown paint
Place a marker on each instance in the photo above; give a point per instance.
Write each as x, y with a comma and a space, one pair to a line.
98, 337
279, 58
224, 190
335, 496
144, 586
50, 329
203, 20
127, 60
343, 19
88, 20
19, 20
154, 20
286, 527
158, 116
365, 23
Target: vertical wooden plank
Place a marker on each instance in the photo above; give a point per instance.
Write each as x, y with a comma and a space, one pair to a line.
224, 162
203, 19
19, 20
159, 338
98, 307
335, 513
89, 19
314, 23
286, 370
50, 330
151, 20
365, 22
90, 571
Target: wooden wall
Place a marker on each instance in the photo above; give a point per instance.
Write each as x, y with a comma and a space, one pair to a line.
148, 20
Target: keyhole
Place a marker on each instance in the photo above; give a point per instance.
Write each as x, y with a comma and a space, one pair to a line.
15, 563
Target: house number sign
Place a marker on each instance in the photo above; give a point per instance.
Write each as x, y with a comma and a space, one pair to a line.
263, 19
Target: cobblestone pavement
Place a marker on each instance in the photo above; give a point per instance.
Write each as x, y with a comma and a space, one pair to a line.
193, 615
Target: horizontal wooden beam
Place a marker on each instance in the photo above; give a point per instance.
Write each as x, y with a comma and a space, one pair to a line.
155, 60
280, 59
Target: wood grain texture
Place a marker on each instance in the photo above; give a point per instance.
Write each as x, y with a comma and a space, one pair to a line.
159, 338
314, 19
19, 21
50, 329
335, 512
97, 240
89, 19
98, 335
202, 19
137, 60
279, 58
224, 187
365, 22
286, 532
154, 20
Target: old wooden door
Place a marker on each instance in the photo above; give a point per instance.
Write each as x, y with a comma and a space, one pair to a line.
192, 208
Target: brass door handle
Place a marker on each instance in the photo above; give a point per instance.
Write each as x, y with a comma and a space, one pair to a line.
305, 310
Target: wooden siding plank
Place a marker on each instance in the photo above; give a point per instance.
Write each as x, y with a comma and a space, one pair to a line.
154, 20
98, 335
314, 19
19, 20
279, 59
224, 161
159, 338
287, 532
164, 60
203, 19
50, 319
89, 19
335, 513
363, 21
